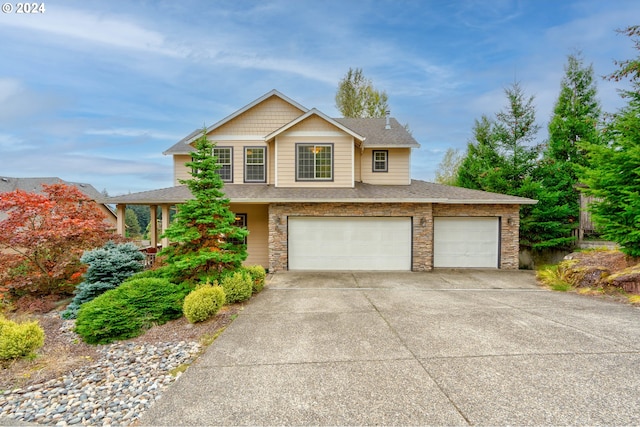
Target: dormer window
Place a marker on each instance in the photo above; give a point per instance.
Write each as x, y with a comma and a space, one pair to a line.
314, 162
380, 160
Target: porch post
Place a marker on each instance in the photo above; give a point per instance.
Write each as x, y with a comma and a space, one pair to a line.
165, 223
153, 226
120, 215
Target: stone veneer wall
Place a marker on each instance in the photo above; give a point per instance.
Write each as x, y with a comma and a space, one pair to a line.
509, 226
422, 213
422, 234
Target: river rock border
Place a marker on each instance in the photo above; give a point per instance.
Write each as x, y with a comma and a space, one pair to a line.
116, 390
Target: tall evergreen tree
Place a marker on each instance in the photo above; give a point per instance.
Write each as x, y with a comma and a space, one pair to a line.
481, 159
505, 156
613, 176
356, 96
575, 121
131, 221
206, 239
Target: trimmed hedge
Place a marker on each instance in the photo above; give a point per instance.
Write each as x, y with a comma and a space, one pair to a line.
258, 275
19, 339
203, 303
238, 286
126, 311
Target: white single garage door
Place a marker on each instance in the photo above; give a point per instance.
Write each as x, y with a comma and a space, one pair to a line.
466, 242
349, 243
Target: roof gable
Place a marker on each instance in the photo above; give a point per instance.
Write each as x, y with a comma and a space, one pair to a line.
284, 112
311, 113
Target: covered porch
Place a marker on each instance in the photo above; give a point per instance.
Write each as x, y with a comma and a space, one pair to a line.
163, 203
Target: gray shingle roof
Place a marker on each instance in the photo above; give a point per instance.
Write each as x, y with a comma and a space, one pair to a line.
376, 134
417, 192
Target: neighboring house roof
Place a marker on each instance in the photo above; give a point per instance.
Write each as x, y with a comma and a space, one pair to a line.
34, 185
417, 192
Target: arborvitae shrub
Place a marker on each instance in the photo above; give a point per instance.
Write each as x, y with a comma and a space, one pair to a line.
109, 266
203, 303
238, 286
19, 339
126, 311
258, 274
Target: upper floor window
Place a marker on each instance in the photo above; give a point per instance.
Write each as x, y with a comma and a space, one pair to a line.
380, 160
314, 162
254, 164
225, 156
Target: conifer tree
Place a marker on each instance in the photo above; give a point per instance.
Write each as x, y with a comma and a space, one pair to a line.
504, 155
205, 239
575, 121
613, 176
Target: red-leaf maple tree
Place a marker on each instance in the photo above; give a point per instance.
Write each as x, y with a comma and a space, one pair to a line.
43, 237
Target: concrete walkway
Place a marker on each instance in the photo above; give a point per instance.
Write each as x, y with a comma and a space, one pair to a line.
447, 347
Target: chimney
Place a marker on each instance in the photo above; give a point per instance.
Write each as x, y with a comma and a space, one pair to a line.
388, 125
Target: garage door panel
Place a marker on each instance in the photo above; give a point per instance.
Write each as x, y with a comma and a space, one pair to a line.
466, 242
349, 243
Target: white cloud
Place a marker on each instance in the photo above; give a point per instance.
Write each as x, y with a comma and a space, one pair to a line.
131, 132
110, 30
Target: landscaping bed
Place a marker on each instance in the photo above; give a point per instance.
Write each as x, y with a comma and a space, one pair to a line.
598, 272
64, 351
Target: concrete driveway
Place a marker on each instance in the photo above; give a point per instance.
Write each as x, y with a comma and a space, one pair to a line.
447, 347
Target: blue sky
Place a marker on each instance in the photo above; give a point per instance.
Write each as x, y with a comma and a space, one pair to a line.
95, 91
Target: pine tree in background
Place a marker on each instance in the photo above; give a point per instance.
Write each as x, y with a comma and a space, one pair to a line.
481, 159
205, 239
613, 175
132, 224
503, 157
575, 122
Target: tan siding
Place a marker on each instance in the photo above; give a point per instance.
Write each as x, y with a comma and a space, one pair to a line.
357, 176
262, 119
342, 161
258, 239
342, 153
399, 168
180, 170
271, 164
314, 124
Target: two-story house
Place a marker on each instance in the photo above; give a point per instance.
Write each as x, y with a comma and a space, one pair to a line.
320, 193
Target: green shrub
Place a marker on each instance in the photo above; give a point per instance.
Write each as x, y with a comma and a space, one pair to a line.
109, 266
258, 275
238, 286
203, 303
19, 339
126, 311
156, 273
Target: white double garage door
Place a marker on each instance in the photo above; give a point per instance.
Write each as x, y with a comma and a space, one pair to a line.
385, 243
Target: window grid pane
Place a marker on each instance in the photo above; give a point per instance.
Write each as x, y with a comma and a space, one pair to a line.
224, 160
314, 162
380, 161
254, 164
